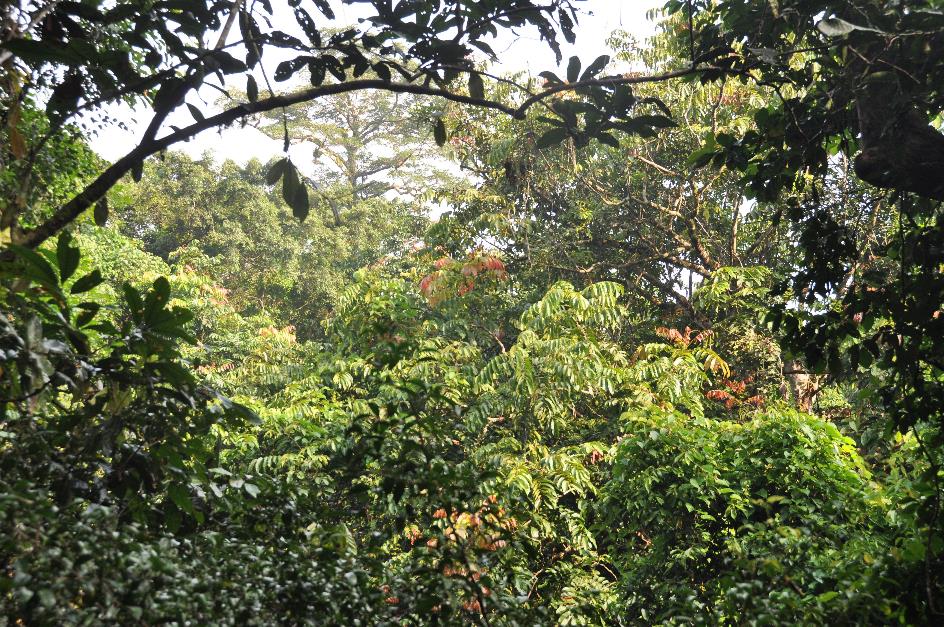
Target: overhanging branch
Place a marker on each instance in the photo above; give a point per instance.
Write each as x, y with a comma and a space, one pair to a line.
100, 186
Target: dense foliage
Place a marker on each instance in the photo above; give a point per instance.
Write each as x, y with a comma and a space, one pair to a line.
669, 355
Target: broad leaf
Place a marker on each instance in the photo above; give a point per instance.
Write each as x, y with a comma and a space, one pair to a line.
439, 132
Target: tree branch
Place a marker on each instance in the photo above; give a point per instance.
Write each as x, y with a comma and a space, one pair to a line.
97, 188
149, 146
230, 20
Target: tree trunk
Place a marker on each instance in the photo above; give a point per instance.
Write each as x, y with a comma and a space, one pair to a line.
800, 387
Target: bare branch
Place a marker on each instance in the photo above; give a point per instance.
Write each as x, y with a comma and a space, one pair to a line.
230, 20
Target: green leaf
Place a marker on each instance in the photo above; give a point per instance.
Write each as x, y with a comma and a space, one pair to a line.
87, 282
703, 155
158, 296
46, 598
37, 265
181, 498
67, 256
87, 311
439, 132
276, 170
133, 298
44, 52
241, 411
914, 549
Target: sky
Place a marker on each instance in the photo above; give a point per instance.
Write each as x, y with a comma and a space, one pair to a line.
523, 53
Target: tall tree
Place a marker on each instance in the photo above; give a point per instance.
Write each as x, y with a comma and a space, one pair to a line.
365, 146
220, 220
89, 56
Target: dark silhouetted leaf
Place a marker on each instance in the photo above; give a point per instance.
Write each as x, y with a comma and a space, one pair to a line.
252, 90
656, 121
100, 212
67, 256
567, 26
595, 68
476, 86
551, 138
382, 71
573, 70
294, 192
286, 69
196, 113
87, 311
439, 132
608, 139
276, 170
551, 78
